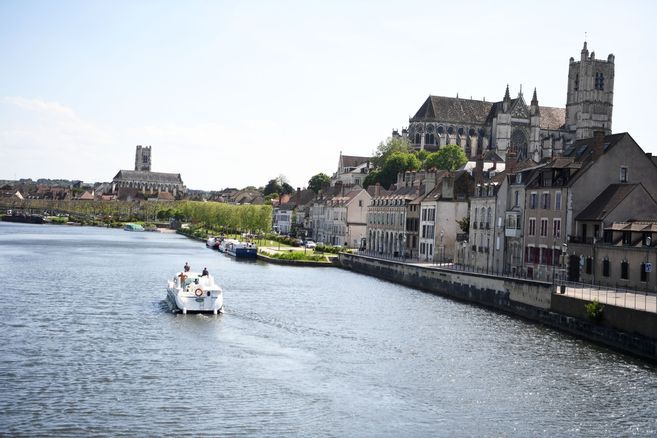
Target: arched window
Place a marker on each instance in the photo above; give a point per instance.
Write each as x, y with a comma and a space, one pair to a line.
519, 143
417, 138
599, 81
489, 217
576, 87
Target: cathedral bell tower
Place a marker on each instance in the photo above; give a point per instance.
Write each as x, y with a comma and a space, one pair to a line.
590, 97
143, 158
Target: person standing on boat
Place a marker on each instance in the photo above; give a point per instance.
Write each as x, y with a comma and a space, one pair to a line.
205, 272
187, 267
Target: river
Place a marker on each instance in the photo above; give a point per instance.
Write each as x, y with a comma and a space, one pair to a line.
90, 347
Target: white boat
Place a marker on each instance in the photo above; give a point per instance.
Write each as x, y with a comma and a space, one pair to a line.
224, 244
193, 292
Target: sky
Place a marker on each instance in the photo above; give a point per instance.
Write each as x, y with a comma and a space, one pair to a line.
235, 93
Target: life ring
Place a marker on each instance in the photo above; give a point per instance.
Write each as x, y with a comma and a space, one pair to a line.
198, 292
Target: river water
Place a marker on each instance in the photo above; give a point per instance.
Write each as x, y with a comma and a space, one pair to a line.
89, 347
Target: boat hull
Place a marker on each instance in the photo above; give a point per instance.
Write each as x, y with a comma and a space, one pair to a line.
243, 253
193, 304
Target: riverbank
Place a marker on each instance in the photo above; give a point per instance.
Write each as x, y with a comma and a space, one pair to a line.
620, 329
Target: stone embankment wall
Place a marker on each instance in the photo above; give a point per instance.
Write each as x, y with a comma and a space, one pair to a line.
528, 299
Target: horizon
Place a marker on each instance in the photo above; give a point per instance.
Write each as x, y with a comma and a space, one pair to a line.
233, 95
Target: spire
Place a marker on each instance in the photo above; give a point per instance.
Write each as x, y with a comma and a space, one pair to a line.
506, 103
533, 107
585, 52
520, 91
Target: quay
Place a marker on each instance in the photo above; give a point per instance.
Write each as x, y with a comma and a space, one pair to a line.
626, 329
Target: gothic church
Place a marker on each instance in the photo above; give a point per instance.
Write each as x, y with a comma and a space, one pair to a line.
532, 131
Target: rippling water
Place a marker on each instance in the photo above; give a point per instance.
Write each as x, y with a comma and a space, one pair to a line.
89, 347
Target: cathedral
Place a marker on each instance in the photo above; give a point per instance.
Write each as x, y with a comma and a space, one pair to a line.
143, 180
531, 131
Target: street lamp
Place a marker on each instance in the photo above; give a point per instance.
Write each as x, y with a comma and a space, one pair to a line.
442, 247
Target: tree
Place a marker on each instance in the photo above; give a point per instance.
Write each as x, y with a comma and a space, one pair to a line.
449, 157
464, 223
392, 145
318, 182
372, 178
395, 163
278, 185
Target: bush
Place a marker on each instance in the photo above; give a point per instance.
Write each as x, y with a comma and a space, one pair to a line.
297, 255
329, 248
594, 311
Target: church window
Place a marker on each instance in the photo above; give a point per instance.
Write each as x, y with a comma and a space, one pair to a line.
417, 138
472, 132
599, 81
577, 82
440, 130
461, 131
450, 130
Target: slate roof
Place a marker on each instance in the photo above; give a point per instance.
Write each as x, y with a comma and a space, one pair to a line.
453, 109
606, 202
552, 118
479, 112
151, 177
582, 148
353, 161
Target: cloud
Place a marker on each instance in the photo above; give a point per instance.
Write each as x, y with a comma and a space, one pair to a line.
48, 109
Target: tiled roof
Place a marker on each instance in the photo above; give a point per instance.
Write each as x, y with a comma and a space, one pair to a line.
552, 118
479, 112
582, 148
606, 202
151, 177
353, 161
453, 109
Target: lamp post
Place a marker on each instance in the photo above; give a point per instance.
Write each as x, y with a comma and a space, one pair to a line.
442, 248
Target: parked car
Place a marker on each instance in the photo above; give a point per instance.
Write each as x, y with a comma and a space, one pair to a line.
310, 244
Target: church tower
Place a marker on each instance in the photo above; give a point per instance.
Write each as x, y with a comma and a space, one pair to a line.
143, 158
590, 97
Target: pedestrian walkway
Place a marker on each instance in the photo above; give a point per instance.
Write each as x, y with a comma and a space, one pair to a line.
637, 300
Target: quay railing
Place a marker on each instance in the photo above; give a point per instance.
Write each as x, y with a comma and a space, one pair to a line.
616, 296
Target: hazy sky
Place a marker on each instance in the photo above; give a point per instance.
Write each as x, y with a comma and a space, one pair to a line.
234, 93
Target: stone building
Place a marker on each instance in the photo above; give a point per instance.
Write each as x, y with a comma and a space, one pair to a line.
533, 131
352, 170
144, 181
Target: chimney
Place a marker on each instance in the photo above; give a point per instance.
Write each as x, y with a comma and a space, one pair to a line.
447, 190
511, 161
377, 189
298, 195
598, 142
479, 169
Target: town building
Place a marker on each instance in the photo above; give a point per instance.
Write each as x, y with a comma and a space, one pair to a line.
338, 216
352, 170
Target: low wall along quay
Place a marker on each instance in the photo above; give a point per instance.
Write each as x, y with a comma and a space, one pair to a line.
621, 329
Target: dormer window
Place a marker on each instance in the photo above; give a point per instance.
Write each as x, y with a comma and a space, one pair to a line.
518, 178
623, 174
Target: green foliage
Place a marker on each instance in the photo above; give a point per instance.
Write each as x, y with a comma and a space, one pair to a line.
297, 255
449, 157
464, 223
329, 249
278, 185
372, 178
395, 163
421, 154
318, 182
392, 145
594, 311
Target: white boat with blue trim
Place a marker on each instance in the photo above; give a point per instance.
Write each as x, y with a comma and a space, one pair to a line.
192, 292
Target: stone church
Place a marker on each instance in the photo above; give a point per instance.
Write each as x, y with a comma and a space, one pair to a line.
532, 131
144, 181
